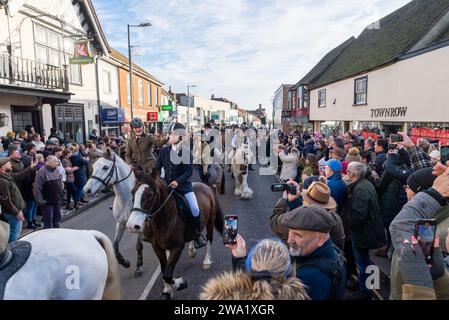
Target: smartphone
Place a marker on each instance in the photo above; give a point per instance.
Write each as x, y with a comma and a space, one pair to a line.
444, 154
425, 231
396, 138
230, 229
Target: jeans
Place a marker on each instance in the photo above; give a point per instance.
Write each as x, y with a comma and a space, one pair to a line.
79, 193
71, 192
31, 210
191, 199
15, 226
51, 215
362, 261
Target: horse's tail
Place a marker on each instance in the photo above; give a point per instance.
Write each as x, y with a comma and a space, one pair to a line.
112, 289
219, 219
222, 186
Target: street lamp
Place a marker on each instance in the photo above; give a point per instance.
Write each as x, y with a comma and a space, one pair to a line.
141, 25
188, 104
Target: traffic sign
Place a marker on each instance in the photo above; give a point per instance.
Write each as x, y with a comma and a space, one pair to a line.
167, 107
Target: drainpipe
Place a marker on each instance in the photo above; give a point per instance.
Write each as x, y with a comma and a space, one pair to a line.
97, 81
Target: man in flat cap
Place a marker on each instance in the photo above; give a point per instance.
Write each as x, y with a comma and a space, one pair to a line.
319, 264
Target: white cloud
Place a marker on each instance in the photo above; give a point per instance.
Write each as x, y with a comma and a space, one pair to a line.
242, 50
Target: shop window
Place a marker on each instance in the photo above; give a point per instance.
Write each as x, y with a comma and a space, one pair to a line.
140, 91
322, 98
107, 86
150, 95
360, 90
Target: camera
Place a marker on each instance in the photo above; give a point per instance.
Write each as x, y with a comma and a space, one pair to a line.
396, 138
278, 187
392, 146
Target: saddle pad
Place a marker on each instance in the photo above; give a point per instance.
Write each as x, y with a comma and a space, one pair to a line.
21, 251
183, 208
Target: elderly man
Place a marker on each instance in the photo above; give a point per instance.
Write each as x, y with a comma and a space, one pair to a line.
319, 264
366, 228
11, 199
48, 192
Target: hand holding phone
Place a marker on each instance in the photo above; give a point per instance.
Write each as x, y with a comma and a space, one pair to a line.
444, 154
230, 229
425, 231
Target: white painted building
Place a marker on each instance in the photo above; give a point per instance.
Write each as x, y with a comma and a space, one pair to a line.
38, 86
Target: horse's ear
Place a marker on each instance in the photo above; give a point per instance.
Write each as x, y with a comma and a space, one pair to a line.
108, 152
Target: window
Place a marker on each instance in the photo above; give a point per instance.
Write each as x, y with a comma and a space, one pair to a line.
54, 49
127, 89
322, 98
150, 95
107, 87
157, 96
140, 92
360, 90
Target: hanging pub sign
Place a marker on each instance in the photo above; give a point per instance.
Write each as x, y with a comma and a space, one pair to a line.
82, 54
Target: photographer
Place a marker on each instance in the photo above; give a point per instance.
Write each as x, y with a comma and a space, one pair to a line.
427, 200
263, 274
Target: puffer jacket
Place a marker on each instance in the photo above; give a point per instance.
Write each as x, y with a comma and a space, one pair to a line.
239, 286
289, 164
339, 190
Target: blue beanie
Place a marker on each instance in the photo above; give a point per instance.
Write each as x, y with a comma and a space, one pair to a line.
334, 165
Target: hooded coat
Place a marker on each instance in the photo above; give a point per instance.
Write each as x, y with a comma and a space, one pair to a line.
290, 163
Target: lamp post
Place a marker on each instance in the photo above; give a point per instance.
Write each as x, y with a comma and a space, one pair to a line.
141, 25
188, 104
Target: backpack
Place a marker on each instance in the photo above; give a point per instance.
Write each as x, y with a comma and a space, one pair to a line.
337, 272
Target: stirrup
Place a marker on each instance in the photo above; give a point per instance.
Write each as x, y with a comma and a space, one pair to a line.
200, 241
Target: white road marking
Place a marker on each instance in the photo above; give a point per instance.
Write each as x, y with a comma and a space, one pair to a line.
150, 284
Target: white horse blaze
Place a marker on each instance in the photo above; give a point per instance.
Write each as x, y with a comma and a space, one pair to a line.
137, 218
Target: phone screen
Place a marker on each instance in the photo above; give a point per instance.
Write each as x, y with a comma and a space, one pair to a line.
396, 138
444, 154
425, 231
230, 229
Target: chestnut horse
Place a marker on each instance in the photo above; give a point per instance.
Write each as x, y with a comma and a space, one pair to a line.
155, 213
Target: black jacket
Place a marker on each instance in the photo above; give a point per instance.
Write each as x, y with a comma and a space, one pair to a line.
366, 227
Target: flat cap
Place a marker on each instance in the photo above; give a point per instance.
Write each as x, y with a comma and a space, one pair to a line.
310, 218
4, 160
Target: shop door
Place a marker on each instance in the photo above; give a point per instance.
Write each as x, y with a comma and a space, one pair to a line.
69, 120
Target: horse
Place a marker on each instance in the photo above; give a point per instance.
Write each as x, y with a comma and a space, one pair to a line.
155, 214
109, 170
63, 264
215, 179
240, 160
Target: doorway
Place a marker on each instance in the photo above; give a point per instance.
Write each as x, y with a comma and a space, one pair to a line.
24, 116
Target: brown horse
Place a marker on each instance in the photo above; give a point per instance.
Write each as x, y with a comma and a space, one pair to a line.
155, 213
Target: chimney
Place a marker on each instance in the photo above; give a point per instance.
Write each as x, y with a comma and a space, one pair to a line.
260, 106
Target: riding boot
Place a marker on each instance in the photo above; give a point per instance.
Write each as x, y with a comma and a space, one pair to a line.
200, 241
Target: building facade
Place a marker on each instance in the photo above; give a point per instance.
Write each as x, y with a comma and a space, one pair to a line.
281, 115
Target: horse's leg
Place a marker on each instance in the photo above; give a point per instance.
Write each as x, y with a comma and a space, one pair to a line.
139, 248
247, 193
162, 256
170, 283
119, 230
238, 184
192, 250
209, 235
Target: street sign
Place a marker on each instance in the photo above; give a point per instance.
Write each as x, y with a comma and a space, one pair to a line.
167, 107
152, 116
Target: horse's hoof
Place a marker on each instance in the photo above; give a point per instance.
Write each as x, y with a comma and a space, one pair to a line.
165, 296
183, 285
126, 264
138, 273
206, 266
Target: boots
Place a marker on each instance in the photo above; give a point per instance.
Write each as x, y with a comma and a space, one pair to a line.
200, 241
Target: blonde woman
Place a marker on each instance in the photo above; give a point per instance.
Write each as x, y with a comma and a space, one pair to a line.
267, 276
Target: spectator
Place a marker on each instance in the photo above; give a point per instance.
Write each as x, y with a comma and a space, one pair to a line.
340, 155
93, 136
80, 174
338, 188
337, 143
70, 180
381, 148
27, 188
322, 151
16, 163
419, 159
40, 161
290, 163
31, 132
54, 134
309, 147
11, 199
371, 173
49, 146
48, 192
311, 168
435, 157
38, 142
366, 229
319, 263
348, 144
23, 137
369, 147
424, 203
93, 153
9, 138
268, 268
29, 154
353, 155
390, 191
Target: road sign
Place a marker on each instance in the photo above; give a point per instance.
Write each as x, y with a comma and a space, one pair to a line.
152, 116
167, 107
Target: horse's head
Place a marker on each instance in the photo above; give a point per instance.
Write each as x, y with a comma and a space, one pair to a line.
146, 199
103, 173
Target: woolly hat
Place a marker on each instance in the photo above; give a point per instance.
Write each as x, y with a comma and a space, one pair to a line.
353, 155
421, 180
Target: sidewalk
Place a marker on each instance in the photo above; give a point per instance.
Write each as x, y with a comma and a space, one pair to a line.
100, 197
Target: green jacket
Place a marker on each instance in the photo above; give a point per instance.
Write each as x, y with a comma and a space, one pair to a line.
11, 199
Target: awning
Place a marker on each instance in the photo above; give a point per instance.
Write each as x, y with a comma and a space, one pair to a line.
48, 96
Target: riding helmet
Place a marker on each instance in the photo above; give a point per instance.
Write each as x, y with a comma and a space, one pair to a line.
136, 123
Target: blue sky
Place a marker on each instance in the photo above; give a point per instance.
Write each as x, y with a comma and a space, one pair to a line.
239, 49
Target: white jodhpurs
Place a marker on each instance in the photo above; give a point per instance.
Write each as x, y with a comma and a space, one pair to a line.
191, 199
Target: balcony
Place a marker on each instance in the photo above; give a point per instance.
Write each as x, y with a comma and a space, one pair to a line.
16, 71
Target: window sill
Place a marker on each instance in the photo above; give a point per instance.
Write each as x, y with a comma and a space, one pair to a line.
76, 84
321, 107
359, 104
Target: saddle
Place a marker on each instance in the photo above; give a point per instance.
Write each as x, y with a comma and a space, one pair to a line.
15, 256
183, 208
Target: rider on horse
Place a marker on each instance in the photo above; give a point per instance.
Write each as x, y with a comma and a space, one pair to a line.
140, 149
178, 176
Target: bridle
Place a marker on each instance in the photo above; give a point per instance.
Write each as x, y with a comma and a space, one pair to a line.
150, 215
108, 178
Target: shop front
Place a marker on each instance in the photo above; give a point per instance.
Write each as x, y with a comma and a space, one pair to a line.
111, 120
68, 118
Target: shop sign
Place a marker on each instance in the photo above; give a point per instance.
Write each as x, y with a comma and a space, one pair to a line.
152, 116
112, 115
286, 114
81, 53
389, 112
